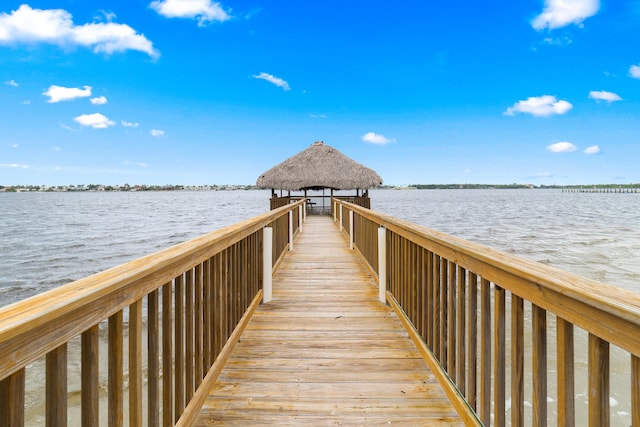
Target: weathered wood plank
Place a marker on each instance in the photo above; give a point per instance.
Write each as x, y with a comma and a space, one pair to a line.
517, 361
90, 378
325, 350
566, 376
116, 380
135, 364
12, 400
599, 389
539, 361
153, 361
56, 387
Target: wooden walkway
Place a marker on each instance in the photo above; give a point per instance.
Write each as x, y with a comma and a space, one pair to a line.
325, 351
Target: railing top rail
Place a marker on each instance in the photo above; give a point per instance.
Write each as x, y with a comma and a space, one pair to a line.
608, 311
32, 327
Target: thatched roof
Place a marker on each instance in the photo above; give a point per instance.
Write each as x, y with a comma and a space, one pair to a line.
319, 166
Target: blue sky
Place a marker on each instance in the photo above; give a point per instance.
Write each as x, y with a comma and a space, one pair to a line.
200, 92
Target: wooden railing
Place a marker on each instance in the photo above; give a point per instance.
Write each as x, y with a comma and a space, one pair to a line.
455, 297
189, 301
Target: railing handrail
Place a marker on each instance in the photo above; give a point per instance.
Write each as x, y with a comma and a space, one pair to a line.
610, 312
31, 328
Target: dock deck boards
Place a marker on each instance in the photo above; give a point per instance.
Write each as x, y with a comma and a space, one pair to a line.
325, 351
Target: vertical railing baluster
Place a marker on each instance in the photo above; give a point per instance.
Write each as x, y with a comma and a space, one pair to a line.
598, 382
90, 381
436, 307
153, 408
178, 323
424, 295
517, 361
539, 356
485, 351
444, 292
472, 342
382, 265
429, 299
206, 326
461, 340
115, 374
167, 355
635, 391
189, 337
566, 379
12, 399
499, 350
417, 286
199, 315
451, 321
217, 306
56, 387
135, 364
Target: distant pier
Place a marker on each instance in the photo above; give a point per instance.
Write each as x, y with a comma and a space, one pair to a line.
625, 189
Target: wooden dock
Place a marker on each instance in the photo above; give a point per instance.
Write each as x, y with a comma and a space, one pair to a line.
325, 351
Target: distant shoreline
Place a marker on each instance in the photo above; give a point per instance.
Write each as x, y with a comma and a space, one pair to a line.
226, 187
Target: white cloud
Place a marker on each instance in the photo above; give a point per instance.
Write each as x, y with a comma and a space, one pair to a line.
11, 83
375, 138
141, 164
557, 41
318, 116
272, 79
562, 147
14, 166
157, 132
560, 13
100, 100
594, 149
95, 120
542, 175
26, 102
204, 10
634, 71
59, 93
55, 26
603, 95
540, 106
14, 145
129, 124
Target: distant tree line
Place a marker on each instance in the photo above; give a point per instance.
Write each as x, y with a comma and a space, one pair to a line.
125, 187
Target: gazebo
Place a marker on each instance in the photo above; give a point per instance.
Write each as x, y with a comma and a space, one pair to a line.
317, 169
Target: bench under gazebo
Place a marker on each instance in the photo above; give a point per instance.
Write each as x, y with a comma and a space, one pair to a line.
317, 174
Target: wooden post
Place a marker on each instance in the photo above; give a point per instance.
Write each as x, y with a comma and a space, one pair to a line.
290, 230
56, 387
351, 230
382, 264
599, 408
267, 267
335, 210
12, 400
300, 218
341, 218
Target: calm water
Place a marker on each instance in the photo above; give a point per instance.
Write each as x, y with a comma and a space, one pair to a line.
593, 235
49, 239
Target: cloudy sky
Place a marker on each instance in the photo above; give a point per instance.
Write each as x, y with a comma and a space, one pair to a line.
200, 92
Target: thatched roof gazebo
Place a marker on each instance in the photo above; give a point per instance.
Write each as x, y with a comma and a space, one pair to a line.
318, 168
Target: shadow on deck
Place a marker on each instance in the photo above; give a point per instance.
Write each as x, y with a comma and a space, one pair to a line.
325, 351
